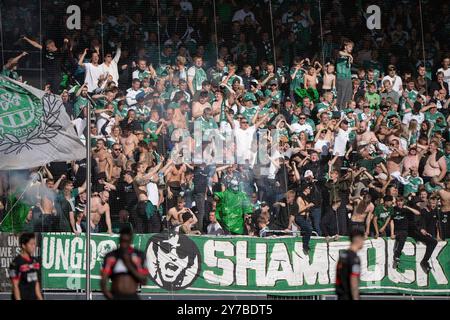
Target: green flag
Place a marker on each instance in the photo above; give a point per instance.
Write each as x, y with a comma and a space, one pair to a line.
17, 212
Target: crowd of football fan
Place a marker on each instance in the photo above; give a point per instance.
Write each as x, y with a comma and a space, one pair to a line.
359, 128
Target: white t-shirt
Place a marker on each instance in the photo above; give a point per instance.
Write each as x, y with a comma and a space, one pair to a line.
112, 68
92, 75
409, 116
446, 75
244, 139
323, 146
297, 127
340, 142
397, 84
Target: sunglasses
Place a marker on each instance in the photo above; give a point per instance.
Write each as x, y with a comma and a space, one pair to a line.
302, 118
167, 248
117, 149
244, 122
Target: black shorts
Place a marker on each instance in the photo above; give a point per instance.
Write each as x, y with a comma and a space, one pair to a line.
360, 226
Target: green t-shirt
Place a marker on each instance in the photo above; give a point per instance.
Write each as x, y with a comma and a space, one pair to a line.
343, 68
101, 103
369, 164
298, 80
374, 100
412, 95
122, 113
438, 126
80, 102
249, 113
382, 214
152, 126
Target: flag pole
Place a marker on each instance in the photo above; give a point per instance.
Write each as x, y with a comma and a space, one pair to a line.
88, 204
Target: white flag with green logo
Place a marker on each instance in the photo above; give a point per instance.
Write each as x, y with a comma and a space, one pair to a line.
34, 128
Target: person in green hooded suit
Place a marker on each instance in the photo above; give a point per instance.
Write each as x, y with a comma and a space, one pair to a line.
232, 206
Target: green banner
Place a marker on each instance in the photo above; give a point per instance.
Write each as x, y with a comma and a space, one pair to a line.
246, 265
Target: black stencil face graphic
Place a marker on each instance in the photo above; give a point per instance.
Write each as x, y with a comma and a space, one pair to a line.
173, 261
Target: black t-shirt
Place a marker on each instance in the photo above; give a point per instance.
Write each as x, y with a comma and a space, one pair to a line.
348, 266
26, 271
51, 61
401, 218
443, 225
282, 217
127, 194
64, 208
200, 180
429, 220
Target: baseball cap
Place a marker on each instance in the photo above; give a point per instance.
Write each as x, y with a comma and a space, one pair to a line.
272, 82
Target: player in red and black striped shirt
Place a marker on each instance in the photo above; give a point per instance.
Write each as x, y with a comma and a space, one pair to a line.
126, 267
24, 270
348, 268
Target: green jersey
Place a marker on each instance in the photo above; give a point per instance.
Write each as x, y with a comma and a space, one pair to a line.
249, 113
343, 68
80, 103
374, 100
382, 214
298, 80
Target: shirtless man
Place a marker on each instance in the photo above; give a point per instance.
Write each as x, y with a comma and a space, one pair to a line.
364, 136
129, 142
173, 216
119, 160
200, 105
394, 160
100, 207
325, 123
103, 158
435, 166
444, 194
175, 177
362, 214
